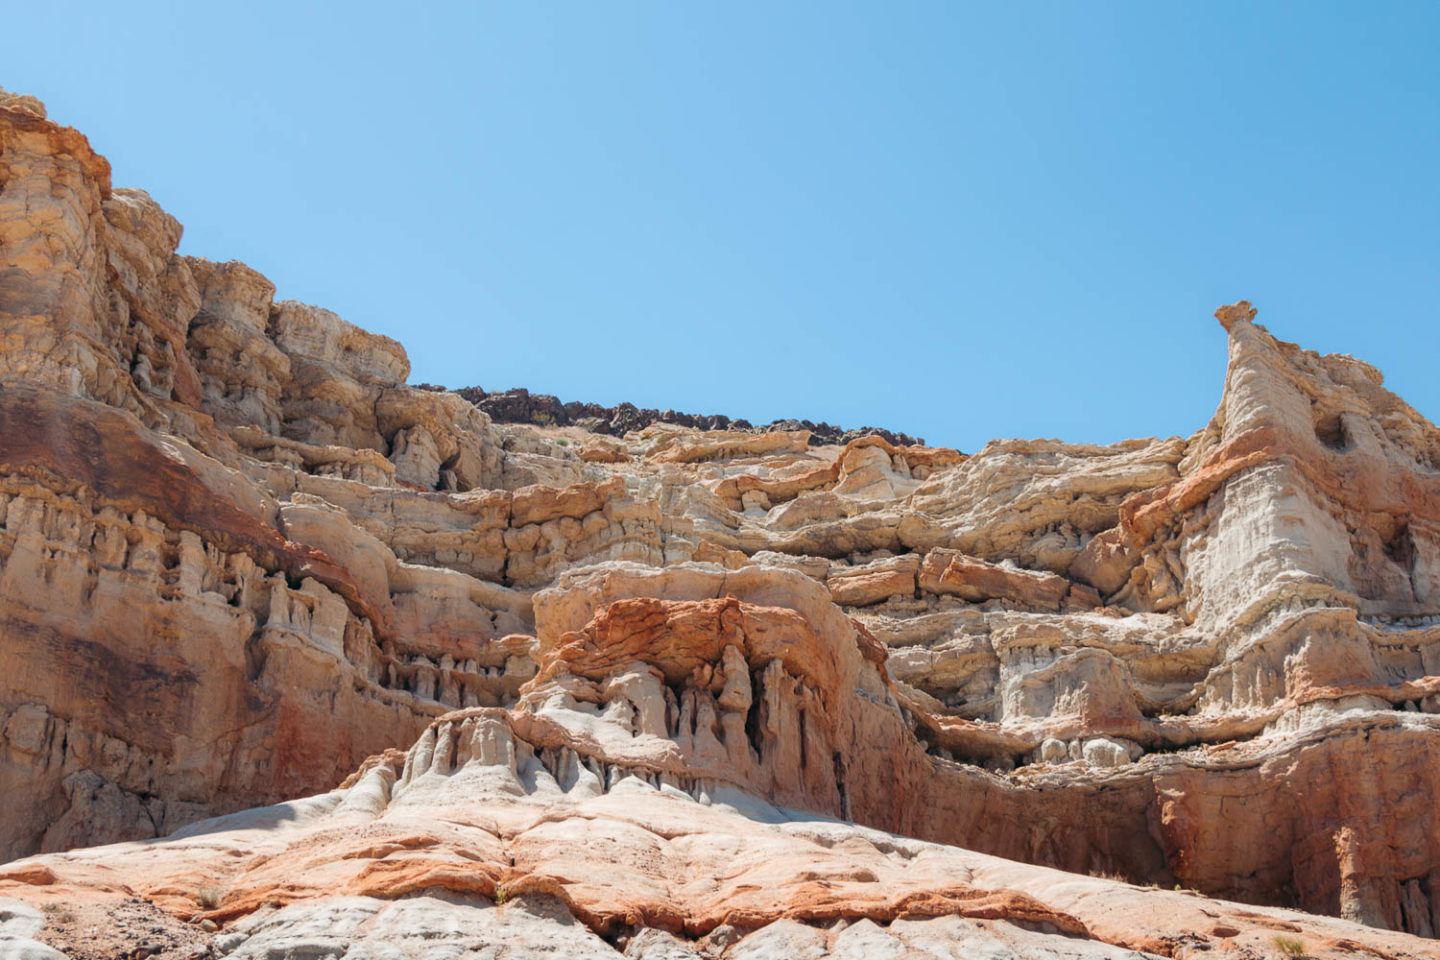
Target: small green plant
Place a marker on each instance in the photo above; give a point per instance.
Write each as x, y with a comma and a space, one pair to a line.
210, 896
501, 895
1290, 946
562, 442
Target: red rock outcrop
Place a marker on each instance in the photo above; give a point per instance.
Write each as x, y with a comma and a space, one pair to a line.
673, 685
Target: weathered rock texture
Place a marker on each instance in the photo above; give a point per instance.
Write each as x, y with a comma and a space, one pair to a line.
543, 410
683, 689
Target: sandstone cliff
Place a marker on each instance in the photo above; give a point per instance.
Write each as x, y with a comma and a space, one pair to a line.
683, 689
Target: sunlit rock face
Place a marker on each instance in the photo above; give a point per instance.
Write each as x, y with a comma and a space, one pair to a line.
680, 692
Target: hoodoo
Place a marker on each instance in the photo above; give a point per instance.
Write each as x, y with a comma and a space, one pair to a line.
299, 660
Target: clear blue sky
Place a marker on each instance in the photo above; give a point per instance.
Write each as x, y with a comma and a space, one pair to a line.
958, 220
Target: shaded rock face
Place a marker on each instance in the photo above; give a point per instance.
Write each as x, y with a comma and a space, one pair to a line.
665, 689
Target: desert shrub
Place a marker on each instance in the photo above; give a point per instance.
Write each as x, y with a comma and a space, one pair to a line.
58, 912
1290, 946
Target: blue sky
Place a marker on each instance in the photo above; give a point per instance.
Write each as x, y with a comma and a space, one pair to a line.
963, 221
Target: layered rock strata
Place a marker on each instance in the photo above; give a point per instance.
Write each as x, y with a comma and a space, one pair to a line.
481, 841
239, 556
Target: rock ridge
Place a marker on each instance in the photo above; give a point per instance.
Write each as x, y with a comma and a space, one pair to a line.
518, 405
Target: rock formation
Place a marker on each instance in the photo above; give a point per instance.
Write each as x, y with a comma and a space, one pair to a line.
543, 410
450, 684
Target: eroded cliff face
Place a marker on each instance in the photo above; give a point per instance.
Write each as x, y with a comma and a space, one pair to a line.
239, 556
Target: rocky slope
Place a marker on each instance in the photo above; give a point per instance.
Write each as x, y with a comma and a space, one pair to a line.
678, 691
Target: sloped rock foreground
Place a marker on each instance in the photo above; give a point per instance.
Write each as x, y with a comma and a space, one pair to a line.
457, 688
